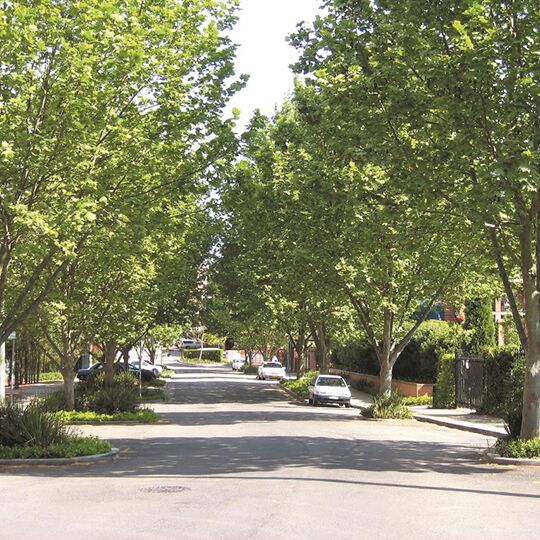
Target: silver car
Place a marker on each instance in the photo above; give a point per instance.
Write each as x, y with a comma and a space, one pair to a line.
329, 389
271, 370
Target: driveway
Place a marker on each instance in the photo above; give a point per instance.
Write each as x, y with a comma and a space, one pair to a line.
235, 458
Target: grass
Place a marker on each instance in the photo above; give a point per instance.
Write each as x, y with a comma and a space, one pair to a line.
518, 448
72, 447
50, 376
144, 416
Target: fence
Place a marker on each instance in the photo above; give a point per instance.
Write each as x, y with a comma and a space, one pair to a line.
470, 381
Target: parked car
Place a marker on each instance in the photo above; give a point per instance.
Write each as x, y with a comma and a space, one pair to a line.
147, 365
237, 364
86, 373
271, 370
329, 389
188, 343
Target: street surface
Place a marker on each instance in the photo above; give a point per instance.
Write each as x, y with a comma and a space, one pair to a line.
236, 459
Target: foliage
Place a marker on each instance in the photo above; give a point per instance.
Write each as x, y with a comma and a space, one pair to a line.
480, 325
69, 448
301, 386
445, 391
503, 391
166, 373
210, 356
50, 376
416, 400
365, 386
30, 426
391, 406
519, 448
418, 361
145, 416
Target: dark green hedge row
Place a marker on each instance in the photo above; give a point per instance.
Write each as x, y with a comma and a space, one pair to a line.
418, 362
212, 356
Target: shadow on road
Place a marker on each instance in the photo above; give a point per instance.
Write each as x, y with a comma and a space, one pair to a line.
197, 456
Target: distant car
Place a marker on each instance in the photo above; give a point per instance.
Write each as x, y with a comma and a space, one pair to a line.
86, 373
147, 365
270, 370
329, 389
188, 343
237, 364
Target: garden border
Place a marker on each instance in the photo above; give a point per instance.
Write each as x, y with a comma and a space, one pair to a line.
490, 457
94, 458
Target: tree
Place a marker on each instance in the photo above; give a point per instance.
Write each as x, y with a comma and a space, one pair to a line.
468, 81
104, 107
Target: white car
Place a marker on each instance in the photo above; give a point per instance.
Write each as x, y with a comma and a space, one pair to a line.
271, 370
147, 365
237, 364
329, 389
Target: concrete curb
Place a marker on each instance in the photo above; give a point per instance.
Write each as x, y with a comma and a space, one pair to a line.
294, 395
495, 458
490, 432
62, 461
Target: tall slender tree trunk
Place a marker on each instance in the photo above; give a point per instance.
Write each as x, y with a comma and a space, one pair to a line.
109, 353
68, 374
530, 426
386, 357
2, 372
385, 376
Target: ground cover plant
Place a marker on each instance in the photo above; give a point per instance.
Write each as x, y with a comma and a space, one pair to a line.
32, 432
518, 448
147, 416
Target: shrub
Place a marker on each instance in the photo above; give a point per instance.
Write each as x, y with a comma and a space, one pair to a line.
387, 407
301, 386
30, 426
479, 326
69, 448
518, 448
365, 386
445, 391
211, 356
49, 376
166, 373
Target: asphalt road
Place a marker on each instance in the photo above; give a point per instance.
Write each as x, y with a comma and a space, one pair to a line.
236, 459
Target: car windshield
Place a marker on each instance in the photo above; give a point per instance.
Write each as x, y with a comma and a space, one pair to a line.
330, 381
273, 364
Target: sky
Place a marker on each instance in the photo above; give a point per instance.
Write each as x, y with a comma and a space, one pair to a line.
264, 53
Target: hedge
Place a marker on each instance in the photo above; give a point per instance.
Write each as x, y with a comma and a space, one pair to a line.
419, 360
212, 356
445, 391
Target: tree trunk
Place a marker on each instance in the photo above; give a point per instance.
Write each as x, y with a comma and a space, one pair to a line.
68, 373
125, 356
109, 353
385, 375
2, 372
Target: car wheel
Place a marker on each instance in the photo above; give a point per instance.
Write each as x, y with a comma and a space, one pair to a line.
310, 401
315, 401
347, 405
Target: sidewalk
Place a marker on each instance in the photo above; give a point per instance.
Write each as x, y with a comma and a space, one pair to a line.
464, 419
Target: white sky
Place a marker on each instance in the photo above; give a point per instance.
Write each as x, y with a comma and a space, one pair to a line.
264, 54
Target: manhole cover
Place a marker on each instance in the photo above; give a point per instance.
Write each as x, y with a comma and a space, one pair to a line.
165, 489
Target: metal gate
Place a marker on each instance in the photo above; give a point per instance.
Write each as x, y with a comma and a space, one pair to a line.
470, 375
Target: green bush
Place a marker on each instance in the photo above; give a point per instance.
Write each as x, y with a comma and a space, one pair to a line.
153, 394
503, 390
391, 406
518, 448
366, 386
30, 426
69, 448
445, 391
479, 326
166, 373
418, 362
301, 386
210, 356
